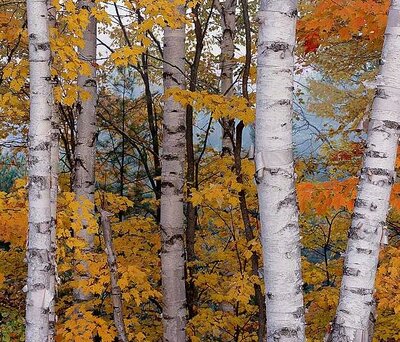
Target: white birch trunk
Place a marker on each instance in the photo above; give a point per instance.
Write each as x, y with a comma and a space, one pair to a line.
228, 22
372, 203
172, 180
40, 295
54, 160
275, 171
85, 151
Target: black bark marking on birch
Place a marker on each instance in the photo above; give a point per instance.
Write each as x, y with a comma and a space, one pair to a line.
33, 160
367, 171
171, 240
41, 254
43, 146
285, 332
285, 102
39, 181
376, 154
361, 291
269, 295
360, 203
353, 233
337, 333
391, 124
278, 46
364, 251
371, 303
275, 171
381, 93
348, 271
170, 157
357, 215
38, 286
290, 226
166, 184
299, 312
42, 227
175, 130
299, 287
289, 200
91, 82
166, 74
43, 46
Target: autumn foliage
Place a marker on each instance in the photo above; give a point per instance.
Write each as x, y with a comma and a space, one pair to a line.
225, 305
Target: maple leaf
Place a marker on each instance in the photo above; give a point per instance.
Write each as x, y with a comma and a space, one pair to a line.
311, 42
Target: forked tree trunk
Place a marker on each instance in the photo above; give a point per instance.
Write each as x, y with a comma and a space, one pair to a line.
85, 152
228, 22
275, 171
371, 207
54, 160
172, 180
40, 295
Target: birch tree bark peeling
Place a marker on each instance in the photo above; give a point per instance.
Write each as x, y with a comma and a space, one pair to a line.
275, 171
372, 204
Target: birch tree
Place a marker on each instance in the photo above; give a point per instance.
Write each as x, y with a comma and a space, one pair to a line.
228, 22
54, 160
371, 206
172, 180
275, 171
40, 294
85, 151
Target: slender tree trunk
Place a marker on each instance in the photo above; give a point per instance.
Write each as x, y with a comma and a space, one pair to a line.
191, 210
372, 203
41, 266
85, 151
54, 160
275, 171
228, 22
116, 294
249, 231
172, 181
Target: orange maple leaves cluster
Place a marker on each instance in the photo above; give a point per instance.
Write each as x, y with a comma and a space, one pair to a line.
334, 21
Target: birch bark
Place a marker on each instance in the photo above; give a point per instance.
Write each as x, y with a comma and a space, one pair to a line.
275, 171
172, 180
228, 22
85, 151
40, 295
372, 203
54, 160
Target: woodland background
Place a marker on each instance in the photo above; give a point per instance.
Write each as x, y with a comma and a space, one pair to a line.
339, 45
